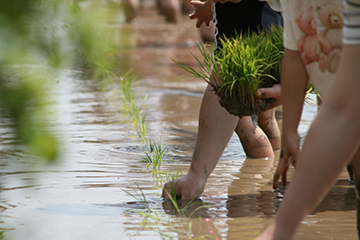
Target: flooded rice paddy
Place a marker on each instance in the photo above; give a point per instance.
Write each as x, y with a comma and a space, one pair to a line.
97, 188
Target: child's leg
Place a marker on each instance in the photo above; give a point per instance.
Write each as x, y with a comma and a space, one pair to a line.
254, 141
171, 9
356, 164
267, 122
186, 6
131, 8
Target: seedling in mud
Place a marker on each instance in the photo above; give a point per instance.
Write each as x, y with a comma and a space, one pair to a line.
240, 67
155, 156
133, 105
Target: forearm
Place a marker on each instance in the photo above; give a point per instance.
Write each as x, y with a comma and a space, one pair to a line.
294, 80
216, 126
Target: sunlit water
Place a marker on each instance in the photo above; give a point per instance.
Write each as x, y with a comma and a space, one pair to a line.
92, 192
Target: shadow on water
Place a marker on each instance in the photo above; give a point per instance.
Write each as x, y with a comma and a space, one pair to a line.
82, 196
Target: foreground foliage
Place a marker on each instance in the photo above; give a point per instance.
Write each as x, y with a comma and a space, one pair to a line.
38, 39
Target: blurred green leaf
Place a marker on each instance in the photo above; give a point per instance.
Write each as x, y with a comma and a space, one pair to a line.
38, 38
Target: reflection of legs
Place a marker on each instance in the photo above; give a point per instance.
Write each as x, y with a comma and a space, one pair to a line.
253, 139
356, 164
268, 124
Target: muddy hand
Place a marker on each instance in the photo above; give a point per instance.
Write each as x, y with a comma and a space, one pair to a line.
186, 187
274, 93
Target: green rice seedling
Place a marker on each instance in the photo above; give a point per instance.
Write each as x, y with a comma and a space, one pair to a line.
205, 65
161, 177
155, 156
166, 236
240, 67
133, 105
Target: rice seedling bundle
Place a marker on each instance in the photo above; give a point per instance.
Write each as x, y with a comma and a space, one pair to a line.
240, 67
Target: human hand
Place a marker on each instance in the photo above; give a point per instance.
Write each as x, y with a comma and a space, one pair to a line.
225, 1
289, 152
186, 187
202, 12
274, 92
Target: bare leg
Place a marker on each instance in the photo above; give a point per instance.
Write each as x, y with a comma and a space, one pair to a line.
267, 122
350, 166
254, 141
356, 165
186, 6
207, 34
171, 9
131, 8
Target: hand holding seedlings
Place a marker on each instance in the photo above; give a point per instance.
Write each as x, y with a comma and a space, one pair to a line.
273, 92
187, 187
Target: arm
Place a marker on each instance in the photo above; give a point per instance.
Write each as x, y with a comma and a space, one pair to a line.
294, 81
322, 150
216, 127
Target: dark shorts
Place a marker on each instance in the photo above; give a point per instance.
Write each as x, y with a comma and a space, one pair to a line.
248, 15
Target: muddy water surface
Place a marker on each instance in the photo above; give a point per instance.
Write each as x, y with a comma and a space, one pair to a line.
93, 191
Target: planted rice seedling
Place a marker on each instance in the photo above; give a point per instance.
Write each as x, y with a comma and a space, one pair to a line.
133, 106
240, 67
155, 156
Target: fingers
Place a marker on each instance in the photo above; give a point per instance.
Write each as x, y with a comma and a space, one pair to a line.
284, 175
273, 92
281, 171
198, 24
278, 173
166, 191
275, 181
